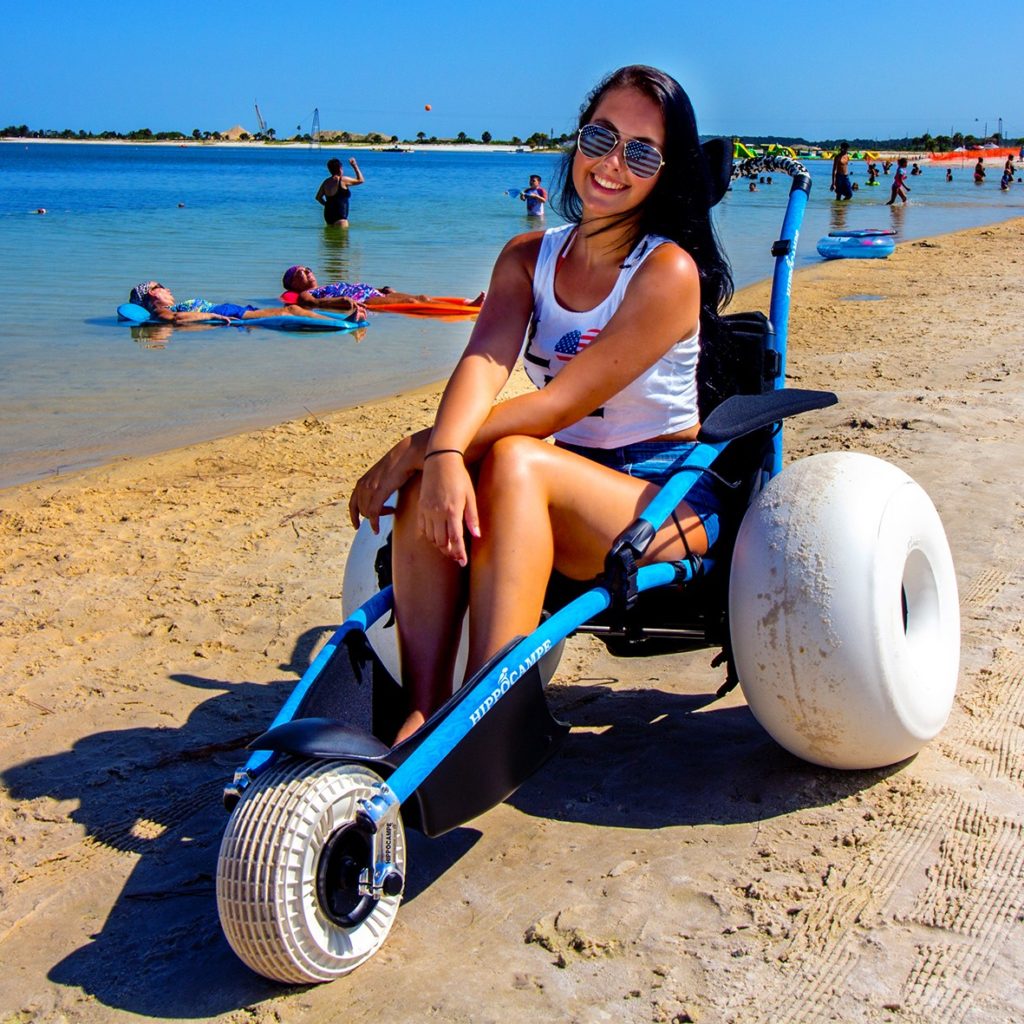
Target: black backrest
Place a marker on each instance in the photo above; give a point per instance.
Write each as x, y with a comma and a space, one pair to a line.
735, 359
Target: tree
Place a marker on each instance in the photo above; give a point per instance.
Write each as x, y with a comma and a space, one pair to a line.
485, 137
394, 138
420, 136
461, 137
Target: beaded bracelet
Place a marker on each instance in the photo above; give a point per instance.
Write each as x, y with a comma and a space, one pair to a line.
443, 451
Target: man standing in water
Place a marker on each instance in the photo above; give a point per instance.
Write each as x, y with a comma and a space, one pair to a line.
841, 173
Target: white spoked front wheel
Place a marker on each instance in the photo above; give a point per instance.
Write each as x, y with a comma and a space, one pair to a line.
843, 610
288, 873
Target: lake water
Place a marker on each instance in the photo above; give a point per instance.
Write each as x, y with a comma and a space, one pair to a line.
78, 388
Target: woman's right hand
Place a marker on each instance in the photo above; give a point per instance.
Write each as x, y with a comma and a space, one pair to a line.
385, 477
447, 501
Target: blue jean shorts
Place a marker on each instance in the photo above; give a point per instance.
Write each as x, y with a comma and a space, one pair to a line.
656, 462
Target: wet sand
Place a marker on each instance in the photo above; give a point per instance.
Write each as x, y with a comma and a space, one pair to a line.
671, 864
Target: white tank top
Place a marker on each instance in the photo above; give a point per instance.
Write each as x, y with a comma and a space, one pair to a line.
662, 400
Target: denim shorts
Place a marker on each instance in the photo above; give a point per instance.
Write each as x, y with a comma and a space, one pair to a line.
656, 462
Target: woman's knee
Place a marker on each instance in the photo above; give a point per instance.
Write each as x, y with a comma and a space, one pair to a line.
515, 460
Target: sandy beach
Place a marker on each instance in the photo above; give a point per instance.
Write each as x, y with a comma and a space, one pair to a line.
672, 864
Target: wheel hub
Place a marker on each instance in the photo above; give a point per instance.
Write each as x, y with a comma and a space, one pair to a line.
345, 855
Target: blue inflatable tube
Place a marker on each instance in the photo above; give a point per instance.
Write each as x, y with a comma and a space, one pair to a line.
856, 247
861, 233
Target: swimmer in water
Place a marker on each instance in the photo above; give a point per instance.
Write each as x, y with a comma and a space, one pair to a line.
345, 296
161, 305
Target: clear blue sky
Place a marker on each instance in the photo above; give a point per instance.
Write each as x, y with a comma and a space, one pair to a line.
875, 68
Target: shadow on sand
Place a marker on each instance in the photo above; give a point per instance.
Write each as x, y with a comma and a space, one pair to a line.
638, 759
644, 758
155, 794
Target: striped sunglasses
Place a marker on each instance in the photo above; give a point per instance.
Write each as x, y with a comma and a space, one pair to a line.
642, 159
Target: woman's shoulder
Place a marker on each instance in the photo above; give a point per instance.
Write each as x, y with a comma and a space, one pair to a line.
668, 271
524, 247
662, 256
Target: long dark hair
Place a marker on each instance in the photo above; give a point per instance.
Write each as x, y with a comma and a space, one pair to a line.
679, 207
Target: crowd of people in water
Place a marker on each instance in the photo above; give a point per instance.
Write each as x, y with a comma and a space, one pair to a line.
843, 186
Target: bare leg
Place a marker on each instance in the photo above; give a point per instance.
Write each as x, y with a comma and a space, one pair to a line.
430, 602
390, 297
541, 506
291, 310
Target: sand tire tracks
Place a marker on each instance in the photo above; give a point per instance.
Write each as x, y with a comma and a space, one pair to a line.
970, 902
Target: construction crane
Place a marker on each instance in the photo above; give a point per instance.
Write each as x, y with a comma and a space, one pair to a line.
259, 117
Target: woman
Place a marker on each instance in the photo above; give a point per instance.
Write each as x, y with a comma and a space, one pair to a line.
161, 305
611, 304
345, 295
334, 192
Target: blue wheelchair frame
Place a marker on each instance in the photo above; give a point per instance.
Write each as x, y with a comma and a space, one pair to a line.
497, 729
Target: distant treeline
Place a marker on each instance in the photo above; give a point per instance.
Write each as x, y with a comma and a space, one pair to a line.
920, 143
538, 140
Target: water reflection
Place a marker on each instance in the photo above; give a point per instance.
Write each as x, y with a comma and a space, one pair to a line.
156, 336
837, 215
334, 260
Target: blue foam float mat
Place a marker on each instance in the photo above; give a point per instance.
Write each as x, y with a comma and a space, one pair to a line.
328, 320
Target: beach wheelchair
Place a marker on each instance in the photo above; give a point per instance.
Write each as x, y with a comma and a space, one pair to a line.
834, 604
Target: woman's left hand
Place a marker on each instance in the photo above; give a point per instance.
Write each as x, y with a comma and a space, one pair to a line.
447, 501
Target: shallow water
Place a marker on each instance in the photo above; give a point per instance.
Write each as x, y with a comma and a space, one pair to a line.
78, 388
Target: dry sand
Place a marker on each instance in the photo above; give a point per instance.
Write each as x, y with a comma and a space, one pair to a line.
671, 864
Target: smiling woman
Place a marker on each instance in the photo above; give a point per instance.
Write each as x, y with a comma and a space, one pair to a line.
611, 304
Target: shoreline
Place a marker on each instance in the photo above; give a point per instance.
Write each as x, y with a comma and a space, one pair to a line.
158, 612
426, 147
411, 147
68, 472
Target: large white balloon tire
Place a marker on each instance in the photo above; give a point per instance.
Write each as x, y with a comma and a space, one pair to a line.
844, 615
268, 894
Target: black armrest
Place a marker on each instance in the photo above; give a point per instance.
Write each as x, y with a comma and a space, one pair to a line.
743, 414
